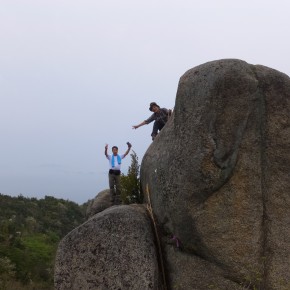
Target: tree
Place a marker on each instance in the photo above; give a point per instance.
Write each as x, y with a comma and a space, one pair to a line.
130, 183
30, 230
7, 272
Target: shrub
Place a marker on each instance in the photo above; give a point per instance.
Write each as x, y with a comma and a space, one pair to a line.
130, 183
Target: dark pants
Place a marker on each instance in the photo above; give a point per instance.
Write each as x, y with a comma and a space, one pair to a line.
115, 192
157, 126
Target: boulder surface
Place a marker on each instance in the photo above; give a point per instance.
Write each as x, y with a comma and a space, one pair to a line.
112, 250
218, 177
101, 202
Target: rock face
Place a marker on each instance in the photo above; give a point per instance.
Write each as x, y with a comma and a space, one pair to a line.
218, 175
113, 250
218, 179
101, 202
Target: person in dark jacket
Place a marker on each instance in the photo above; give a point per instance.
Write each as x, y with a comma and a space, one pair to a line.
160, 116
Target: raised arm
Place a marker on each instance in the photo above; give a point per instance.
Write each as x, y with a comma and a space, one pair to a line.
106, 150
128, 150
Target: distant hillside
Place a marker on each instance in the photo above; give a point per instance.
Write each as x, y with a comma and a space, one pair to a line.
30, 230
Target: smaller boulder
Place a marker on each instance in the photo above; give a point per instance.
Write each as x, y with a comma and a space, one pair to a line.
99, 203
113, 250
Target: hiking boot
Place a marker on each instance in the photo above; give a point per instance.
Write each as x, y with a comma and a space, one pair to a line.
154, 136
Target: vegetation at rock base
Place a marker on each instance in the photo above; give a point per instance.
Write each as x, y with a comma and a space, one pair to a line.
30, 230
130, 183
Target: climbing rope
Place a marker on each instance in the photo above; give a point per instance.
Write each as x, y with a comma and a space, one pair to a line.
151, 214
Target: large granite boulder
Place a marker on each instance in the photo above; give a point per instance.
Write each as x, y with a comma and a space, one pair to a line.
112, 250
218, 179
218, 176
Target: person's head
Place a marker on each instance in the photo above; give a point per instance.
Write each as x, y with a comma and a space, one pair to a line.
115, 150
154, 107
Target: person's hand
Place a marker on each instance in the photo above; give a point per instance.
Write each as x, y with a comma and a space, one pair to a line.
106, 147
134, 127
129, 145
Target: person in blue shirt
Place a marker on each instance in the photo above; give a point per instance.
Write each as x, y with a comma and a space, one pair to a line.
115, 161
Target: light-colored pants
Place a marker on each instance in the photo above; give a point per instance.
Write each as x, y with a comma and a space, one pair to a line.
114, 183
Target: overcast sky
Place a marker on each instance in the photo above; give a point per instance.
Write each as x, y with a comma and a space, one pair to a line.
75, 75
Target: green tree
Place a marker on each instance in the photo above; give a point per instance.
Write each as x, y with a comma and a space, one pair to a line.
130, 183
7, 272
30, 230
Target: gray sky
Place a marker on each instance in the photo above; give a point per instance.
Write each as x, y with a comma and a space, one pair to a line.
75, 75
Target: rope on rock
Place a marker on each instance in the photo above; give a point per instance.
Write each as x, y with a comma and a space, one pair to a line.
151, 214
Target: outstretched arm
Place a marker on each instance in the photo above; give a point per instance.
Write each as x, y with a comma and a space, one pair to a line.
141, 124
106, 150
